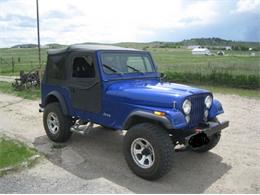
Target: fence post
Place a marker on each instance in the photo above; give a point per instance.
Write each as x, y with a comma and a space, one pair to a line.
12, 64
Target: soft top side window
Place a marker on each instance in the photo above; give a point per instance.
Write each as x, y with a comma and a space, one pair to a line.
56, 67
83, 67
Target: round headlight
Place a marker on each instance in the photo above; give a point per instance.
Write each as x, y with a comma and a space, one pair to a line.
186, 106
208, 101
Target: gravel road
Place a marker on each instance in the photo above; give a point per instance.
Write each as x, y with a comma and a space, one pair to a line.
94, 163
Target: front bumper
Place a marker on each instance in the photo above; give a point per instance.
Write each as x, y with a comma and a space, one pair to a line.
206, 130
209, 129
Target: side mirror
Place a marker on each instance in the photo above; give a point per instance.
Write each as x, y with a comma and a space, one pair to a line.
162, 76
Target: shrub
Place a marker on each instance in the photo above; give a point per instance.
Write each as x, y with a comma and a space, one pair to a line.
216, 78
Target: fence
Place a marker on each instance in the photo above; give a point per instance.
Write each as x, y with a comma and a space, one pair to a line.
13, 65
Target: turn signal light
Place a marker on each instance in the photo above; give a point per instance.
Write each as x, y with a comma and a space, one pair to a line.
158, 113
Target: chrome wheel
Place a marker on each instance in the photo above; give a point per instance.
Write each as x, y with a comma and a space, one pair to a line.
53, 123
143, 153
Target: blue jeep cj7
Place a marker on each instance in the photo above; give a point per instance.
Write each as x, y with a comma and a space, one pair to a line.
120, 89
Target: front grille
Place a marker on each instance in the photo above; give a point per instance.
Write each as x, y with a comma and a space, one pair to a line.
197, 109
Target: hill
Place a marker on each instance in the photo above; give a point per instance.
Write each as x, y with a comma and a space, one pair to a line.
212, 43
217, 42
53, 46
25, 46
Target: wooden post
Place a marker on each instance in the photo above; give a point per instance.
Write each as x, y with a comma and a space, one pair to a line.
38, 36
12, 64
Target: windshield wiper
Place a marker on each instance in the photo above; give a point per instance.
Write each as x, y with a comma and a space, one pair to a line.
112, 69
136, 70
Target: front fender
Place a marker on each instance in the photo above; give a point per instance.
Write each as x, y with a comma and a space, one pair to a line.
172, 119
215, 109
146, 115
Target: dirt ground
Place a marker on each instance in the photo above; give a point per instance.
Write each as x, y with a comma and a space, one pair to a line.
95, 162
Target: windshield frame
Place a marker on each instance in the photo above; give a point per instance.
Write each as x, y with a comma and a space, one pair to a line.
126, 75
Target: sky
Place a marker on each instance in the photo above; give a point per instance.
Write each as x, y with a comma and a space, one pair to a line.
111, 21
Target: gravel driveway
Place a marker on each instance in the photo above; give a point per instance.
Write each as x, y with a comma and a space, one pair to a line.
95, 163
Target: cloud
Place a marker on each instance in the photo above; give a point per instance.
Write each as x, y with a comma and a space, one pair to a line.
248, 6
18, 20
111, 21
56, 14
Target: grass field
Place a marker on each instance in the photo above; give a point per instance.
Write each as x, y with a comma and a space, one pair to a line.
181, 60
167, 59
12, 153
24, 59
235, 64
30, 94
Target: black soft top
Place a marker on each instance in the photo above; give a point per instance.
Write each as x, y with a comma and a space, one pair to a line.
89, 47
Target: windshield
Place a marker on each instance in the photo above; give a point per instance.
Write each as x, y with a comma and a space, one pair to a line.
123, 63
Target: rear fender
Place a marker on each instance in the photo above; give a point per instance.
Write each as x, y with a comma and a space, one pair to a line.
60, 99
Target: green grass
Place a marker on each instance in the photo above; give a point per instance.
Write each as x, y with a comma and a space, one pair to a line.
30, 94
216, 78
12, 152
24, 59
181, 60
167, 59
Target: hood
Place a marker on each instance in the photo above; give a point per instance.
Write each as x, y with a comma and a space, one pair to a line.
151, 92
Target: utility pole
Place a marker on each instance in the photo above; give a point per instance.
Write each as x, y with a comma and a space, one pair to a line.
38, 33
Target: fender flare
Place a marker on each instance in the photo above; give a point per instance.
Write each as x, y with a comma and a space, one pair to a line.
147, 115
61, 100
215, 109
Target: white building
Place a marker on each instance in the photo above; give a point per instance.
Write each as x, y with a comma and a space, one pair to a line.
200, 51
228, 48
193, 46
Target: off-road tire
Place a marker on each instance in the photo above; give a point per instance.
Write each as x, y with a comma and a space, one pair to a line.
65, 122
213, 141
162, 145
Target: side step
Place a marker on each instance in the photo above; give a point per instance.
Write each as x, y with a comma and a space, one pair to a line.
81, 128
